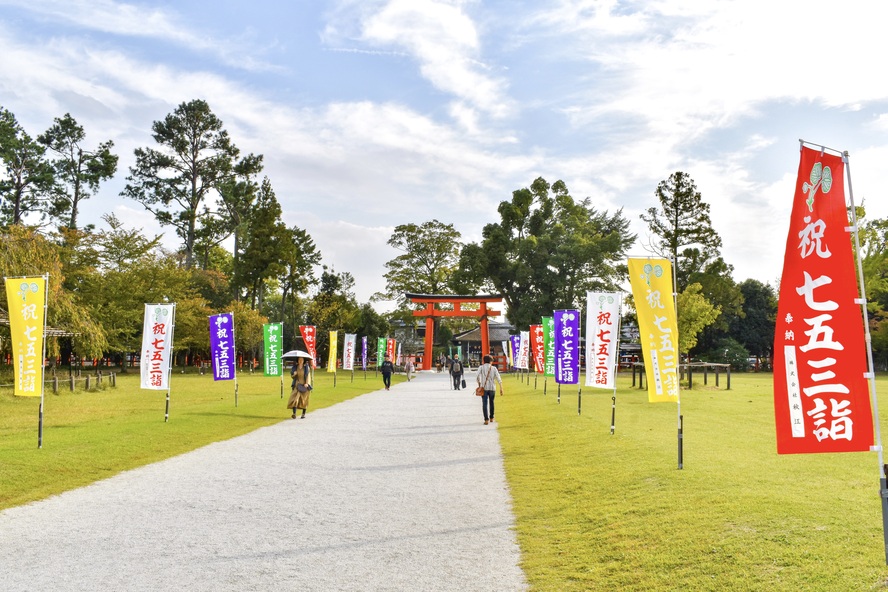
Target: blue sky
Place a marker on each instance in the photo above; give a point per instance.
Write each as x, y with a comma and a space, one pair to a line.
374, 113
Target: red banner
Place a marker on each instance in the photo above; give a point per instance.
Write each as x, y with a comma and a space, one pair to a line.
390, 349
821, 395
309, 336
537, 348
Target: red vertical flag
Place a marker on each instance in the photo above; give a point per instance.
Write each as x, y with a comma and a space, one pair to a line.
821, 395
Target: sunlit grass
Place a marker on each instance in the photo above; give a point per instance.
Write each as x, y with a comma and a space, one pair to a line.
597, 511
92, 435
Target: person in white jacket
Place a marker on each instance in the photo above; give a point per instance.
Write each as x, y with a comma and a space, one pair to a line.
488, 377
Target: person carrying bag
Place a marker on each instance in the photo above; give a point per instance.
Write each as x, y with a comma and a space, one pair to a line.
487, 388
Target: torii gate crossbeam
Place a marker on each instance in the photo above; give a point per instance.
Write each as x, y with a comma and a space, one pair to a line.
430, 312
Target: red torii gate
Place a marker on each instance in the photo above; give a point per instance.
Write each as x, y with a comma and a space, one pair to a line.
430, 312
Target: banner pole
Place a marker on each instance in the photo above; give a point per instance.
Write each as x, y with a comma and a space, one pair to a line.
579, 400
42, 362
617, 367
166, 413
234, 343
559, 393
870, 375
677, 380
545, 383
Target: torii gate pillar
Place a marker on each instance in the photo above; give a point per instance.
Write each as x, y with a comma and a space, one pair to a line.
430, 312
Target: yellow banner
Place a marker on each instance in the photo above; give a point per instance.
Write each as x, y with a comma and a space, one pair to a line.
651, 281
26, 298
334, 345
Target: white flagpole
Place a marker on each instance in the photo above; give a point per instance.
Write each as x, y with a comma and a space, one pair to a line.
166, 415
678, 366
234, 347
616, 367
43, 361
870, 374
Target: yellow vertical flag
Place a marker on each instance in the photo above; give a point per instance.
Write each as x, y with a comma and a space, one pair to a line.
651, 281
334, 345
26, 298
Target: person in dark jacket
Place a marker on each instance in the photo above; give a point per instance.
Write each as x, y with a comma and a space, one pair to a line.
387, 369
456, 371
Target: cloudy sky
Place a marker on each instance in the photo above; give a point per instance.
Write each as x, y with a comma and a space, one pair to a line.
374, 113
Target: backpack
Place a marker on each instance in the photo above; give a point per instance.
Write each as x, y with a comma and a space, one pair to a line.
456, 368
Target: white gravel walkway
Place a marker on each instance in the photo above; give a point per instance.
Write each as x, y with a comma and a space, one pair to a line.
397, 490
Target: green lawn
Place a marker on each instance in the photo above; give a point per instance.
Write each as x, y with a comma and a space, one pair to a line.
597, 511
92, 435
594, 511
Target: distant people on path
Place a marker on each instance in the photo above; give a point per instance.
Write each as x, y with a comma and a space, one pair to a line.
408, 369
488, 377
456, 371
300, 386
387, 368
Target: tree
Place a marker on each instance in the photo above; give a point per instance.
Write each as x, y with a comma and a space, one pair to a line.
334, 308
754, 330
546, 252
694, 314
24, 252
28, 182
682, 220
430, 255
266, 245
78, 172
196, 158
297, 265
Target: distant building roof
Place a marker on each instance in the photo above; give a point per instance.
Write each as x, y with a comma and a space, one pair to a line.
496, 332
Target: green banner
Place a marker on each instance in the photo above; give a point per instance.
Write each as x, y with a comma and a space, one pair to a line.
380, 350
272, 334
549, 344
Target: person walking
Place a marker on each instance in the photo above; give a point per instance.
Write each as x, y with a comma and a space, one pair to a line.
488, 377
301, 386
387, 368
456, 372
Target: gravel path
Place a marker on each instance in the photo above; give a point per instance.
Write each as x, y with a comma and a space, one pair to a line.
397, 490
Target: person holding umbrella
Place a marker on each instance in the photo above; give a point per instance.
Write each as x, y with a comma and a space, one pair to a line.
301, 385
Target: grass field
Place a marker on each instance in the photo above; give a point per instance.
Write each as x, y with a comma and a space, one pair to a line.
93, 435
597, 511
594, 511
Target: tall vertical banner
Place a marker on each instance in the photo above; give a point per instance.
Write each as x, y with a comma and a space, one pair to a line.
651, 281
380, 350
334, 346
364, 353
602, 333
157, 346
272, 337
523, 350
821, 401
222, 350
507, 352
309, 335
567, 346
26, 299
549, 345
514, 344
537, 348
348, 351
390, 349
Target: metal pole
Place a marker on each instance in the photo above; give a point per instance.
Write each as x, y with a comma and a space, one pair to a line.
43, 357
870, 375
559, 393
613, 413
579, 400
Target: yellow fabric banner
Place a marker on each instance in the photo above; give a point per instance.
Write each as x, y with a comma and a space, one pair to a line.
334, 345
26, 298
651, 281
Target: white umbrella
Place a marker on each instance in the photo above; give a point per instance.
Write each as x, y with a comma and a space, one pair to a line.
296, 353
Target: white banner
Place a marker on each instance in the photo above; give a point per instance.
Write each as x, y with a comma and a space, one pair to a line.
523, 361
602, 338
348, 351
157, 346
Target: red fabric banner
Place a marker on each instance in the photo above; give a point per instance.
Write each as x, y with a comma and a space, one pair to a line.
821, 395
537, 347
309, 336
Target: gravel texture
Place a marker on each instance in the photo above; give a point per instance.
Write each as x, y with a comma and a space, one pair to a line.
393, 490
